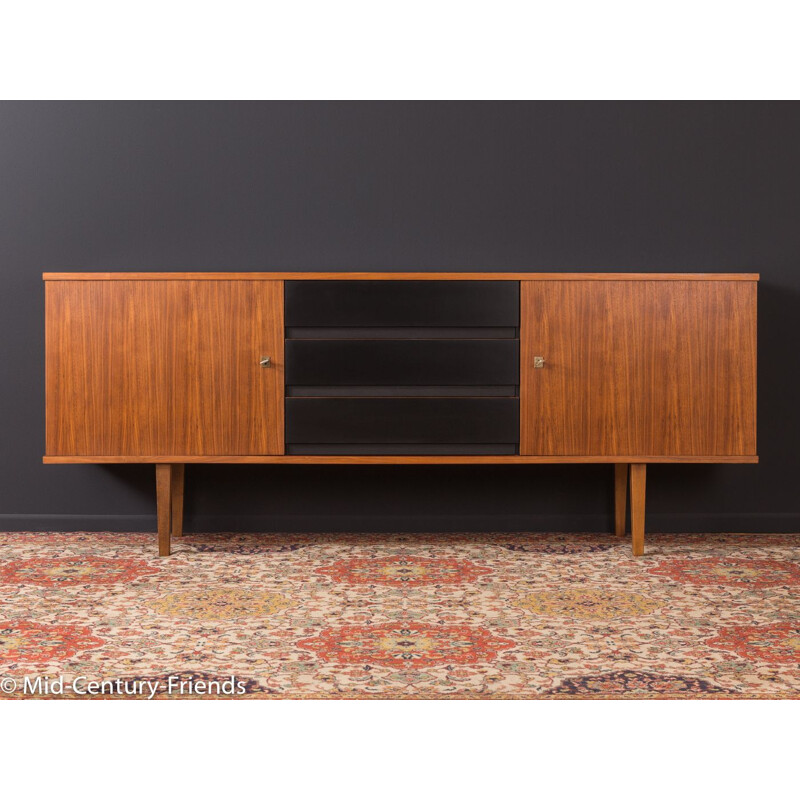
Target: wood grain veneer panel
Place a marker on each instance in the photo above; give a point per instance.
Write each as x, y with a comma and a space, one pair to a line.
144, 368
106, 368
223, 402
638, 368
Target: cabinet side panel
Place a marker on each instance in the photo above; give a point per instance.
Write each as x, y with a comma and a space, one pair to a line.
106, 368
661, 368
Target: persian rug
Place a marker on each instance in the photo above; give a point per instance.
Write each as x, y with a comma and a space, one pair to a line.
523, 616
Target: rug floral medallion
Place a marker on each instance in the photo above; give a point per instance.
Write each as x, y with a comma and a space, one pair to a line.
494, 616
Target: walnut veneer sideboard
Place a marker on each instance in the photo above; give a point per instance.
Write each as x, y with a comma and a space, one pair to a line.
400, 368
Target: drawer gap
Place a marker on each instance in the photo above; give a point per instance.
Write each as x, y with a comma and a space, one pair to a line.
402, 391
410, 332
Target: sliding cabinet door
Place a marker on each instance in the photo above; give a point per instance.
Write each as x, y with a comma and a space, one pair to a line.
638, 368
164, 367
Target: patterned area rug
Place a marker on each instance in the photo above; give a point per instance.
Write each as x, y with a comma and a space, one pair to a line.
387, 616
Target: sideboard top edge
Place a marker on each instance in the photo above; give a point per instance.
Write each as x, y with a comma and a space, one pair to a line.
344, 276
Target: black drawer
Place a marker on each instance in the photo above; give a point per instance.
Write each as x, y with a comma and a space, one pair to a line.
411, 362
380, 303
406, 420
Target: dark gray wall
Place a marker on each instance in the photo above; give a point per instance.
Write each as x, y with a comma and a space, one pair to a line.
393, 186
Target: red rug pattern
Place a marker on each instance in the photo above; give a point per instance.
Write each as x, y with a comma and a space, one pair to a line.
534, 616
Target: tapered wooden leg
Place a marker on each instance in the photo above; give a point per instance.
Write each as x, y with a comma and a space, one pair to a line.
637, 507
164, 505
177, 499
620, 497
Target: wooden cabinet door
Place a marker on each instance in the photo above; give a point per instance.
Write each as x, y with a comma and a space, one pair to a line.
638, 368
164, 367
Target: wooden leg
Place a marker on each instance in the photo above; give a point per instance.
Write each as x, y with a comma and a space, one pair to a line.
176, 495
620, 497
637, 507
164, 505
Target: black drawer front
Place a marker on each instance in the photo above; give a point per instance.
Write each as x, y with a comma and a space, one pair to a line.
380, 303
406, 420
409, 362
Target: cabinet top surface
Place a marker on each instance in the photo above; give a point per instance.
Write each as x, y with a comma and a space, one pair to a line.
402, 276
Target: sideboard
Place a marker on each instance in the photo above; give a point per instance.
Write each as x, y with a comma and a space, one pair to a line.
626, 369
